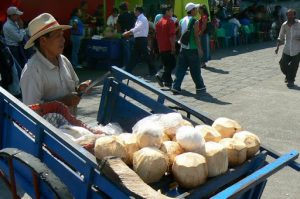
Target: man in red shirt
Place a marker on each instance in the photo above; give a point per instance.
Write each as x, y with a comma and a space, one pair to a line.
165, 35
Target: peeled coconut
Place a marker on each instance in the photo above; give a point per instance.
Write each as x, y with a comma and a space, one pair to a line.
150, 164
251, 141
110, 146
190, 139
209, 133
171, 122
165, 137
216, 158
226, 127
172, 149
149, 134
190, 170
130, 143
236, 150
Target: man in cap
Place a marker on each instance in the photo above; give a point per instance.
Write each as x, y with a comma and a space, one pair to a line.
190, 54
14, 34
49, 75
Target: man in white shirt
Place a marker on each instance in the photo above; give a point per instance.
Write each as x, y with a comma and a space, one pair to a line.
140, 52
112, 19
290, 33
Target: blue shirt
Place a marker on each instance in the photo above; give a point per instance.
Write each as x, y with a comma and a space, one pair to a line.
80, 26
12, 33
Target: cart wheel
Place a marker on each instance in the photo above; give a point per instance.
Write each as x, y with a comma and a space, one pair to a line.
40, 172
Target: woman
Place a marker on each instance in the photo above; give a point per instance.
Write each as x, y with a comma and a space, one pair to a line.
48, 75
76, 35
204, 36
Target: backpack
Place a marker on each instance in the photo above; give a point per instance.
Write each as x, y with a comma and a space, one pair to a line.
185, 37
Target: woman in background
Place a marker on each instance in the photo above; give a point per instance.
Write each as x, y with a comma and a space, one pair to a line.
204, 36
76, 35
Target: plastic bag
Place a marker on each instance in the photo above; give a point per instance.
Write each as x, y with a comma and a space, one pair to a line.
80, 135
109, 129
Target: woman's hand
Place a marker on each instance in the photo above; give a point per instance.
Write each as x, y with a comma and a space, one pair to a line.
84, 85
71, 100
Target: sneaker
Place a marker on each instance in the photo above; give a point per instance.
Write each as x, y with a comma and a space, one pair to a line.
159, 80
175, 91
290, 84
203, 65
168, 84
200, 90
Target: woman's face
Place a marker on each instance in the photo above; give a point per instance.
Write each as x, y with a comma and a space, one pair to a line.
54, 43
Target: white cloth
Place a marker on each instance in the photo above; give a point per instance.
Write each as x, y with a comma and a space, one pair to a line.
111, 20
291, 36
41, 81
141, 28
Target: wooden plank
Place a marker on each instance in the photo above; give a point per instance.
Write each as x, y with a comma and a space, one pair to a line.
127, 180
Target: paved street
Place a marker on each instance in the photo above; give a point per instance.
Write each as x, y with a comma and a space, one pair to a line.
244, 84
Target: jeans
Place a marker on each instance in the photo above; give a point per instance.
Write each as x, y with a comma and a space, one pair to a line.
76, 41
169, 62
289, 66
127, 47
18, 54
206, 48
14, 87
139, 54
188, 58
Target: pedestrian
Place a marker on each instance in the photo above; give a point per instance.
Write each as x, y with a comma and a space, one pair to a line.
140, 51
126, 22
189, 55
166, 35
113, 18
290, 33
49, 75
77, 32
14, 33
204, 35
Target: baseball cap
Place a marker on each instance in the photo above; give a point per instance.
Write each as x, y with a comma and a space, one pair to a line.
191, 6
13, 11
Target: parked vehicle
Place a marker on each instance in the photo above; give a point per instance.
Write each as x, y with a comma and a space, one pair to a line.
80, 175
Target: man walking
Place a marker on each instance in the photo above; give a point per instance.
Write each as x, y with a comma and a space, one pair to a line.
290, 33
165, 35
140, 52
125, 22
14, 34
190, 54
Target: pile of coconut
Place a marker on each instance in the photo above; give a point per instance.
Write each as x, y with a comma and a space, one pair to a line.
166, 143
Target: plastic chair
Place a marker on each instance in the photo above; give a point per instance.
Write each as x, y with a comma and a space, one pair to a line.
245, 33
221, 33
231, 31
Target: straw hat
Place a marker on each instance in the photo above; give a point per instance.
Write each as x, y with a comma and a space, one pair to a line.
41, 25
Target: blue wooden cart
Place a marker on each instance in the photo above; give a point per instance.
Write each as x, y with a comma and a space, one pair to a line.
40, 159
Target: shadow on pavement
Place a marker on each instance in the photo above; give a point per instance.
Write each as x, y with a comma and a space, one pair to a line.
215, 70
205, 97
